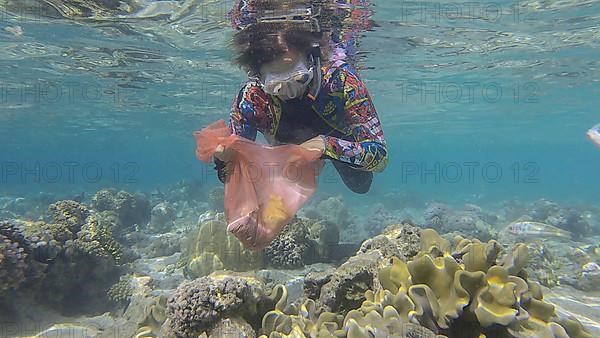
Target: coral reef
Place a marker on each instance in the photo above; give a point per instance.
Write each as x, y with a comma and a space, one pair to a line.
162, 216
379, 218
211, 247
580, 267
198, 305
435, 214
383, 314
146, 309
231, 328
334, 210
303, 241
13, 266
469, 289
542, 209
121, 292
570, 219
110, 219
541, 264
344, 288
327, 236
150, 246
30, 206
469, 221
404, 282
305, 320
186, 190
589, 277
459, 290
97, 241
130, 208
397, 240
70, 261
69, 213
292, 248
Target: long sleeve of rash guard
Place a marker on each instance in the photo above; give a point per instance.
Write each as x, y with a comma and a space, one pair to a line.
367, 151
253, 111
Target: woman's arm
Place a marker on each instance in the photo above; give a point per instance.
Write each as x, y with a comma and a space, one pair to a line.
367, 151
244, 110
245, 118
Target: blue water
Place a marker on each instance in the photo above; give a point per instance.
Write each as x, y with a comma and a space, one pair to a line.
484, 106
485, 103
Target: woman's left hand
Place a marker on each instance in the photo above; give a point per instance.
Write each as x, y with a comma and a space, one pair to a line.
315, 143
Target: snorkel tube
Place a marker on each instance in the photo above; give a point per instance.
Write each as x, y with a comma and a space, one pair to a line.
315, 85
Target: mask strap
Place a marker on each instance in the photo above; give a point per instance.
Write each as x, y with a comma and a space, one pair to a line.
315, 86
253, 75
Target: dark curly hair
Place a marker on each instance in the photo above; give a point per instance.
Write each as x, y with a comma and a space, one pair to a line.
264, 42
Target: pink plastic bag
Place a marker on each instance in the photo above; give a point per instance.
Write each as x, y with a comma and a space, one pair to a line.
265, 185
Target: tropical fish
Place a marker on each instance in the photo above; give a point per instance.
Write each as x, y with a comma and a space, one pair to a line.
594, 134
536, 229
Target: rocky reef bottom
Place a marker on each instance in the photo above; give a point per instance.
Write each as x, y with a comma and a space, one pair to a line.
405, 282
123, 266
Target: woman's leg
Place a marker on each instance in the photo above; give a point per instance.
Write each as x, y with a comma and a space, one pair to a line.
358, 181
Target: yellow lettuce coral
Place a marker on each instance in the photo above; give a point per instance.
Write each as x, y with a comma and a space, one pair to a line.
460, 293
299, 322
467, 285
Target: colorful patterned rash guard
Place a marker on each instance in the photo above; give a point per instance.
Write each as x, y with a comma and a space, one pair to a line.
342, 112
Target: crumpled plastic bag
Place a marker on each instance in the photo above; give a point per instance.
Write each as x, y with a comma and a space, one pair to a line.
265, 186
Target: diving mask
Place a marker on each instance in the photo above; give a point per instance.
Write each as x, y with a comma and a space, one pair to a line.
290, 84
